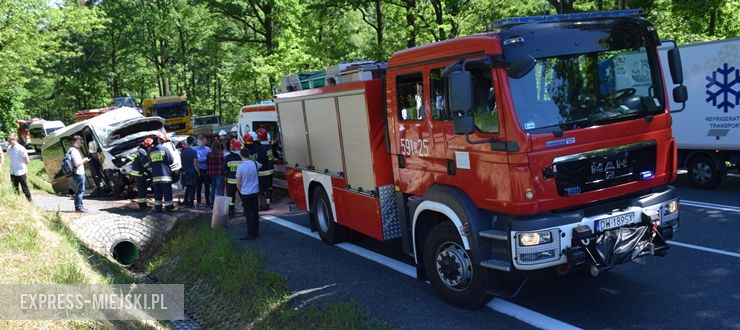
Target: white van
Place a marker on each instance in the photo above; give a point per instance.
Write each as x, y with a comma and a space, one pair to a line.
40, 129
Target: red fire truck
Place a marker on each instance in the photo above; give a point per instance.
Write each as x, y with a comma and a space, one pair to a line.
493, 155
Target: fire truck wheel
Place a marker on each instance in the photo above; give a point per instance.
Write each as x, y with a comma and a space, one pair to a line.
329, 231
703, 172
450, 269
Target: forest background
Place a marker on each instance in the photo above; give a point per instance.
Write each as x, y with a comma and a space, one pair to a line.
61, 56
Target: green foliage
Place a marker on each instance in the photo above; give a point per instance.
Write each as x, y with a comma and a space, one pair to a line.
58, 57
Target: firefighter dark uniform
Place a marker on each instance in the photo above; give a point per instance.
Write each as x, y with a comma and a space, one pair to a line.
231, 162
161, 159
250, 146
139, 170
266, 158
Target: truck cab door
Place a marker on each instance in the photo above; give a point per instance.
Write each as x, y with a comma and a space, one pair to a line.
414, 144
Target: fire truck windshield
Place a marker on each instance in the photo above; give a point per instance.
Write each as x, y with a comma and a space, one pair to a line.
573, 91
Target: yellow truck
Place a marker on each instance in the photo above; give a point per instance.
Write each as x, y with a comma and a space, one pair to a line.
175, 110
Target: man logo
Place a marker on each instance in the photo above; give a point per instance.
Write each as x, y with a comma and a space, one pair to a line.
609, 167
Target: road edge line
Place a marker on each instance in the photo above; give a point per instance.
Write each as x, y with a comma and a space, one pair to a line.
497, 304
705, 249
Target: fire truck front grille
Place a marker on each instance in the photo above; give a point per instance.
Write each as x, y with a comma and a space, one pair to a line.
603, 168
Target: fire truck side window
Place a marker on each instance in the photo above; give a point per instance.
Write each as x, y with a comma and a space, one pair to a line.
484, 109
410, 91
436, 95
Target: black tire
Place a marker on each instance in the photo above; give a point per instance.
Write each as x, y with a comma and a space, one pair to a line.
703, 172
330, 232
443, 248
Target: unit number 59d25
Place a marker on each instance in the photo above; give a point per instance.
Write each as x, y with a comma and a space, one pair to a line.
411, 147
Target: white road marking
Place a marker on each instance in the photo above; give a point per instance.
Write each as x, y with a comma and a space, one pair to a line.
527, 315
705, 249
711, 206
497, 304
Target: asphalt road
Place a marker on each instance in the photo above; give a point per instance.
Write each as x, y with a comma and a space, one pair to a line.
696, 286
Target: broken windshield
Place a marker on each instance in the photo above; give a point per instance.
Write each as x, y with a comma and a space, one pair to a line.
573, 91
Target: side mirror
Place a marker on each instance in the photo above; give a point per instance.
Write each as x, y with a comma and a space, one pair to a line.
92, 147
521, 67
460, 91
464, 124
674, 63
680, 94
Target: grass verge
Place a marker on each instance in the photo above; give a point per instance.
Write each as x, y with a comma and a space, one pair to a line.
36, 248
210, 264
37, 176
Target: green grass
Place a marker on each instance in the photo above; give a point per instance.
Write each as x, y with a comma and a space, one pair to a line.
209, 261
37, 248
37, 176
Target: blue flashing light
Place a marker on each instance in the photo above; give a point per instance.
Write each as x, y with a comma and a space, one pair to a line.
572, 191
566, 17
646, 175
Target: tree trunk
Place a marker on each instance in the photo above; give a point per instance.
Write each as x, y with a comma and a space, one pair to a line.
562, 6
439, 19
712, 29
411, 23
379, 27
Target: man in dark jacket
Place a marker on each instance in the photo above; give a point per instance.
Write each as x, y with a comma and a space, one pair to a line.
231, 162
189, 178
140, 170
161, 159
266, 158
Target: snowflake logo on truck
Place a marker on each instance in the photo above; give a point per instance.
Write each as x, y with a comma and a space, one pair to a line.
722, 86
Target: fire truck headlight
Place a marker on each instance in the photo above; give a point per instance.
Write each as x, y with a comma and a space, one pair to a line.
671, 207
535, 238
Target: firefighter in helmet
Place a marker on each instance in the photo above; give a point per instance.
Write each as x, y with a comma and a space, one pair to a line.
139, 170
266, 158
223, 139
231, 162
250, 146
161, 159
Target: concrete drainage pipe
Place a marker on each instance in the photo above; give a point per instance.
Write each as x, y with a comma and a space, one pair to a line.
125, 252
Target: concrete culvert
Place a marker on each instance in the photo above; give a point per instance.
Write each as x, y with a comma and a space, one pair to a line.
125, 252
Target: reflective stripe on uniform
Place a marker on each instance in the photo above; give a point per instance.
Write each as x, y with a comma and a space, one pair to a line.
233, 165
142, 200
169, 203
135, 173
156, 156
164, 178
265, 173
231, 180
147, 164
158, 203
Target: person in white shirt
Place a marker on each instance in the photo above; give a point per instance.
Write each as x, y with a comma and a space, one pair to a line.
78, 162
419, 100
18, 165
247, 181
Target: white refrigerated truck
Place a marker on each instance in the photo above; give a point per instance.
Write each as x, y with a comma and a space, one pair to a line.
708, 132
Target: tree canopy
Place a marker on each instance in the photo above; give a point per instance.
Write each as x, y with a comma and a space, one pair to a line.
61, 56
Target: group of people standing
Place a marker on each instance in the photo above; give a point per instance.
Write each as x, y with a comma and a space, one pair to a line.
19, 161
224, 168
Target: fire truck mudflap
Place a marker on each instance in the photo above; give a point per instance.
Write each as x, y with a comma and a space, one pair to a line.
603, 235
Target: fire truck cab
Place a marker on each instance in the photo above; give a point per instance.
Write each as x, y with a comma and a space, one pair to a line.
497, 154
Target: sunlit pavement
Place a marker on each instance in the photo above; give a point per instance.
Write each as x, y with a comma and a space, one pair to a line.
697, 285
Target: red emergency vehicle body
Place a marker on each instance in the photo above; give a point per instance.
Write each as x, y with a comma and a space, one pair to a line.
358, 211
472, 214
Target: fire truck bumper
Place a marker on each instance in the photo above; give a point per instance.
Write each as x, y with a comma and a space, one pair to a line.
602, 236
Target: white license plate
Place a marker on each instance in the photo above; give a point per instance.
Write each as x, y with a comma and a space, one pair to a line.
615, 221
